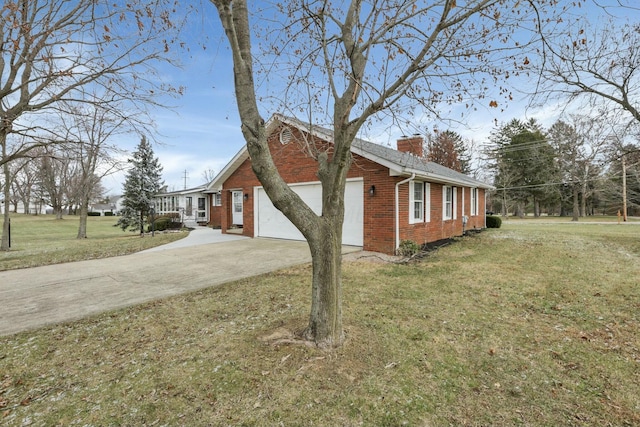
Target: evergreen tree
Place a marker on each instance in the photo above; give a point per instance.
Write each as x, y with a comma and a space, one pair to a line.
143, 181
464, 148
449, 149
525, 166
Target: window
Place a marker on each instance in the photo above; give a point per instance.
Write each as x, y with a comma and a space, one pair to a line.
201, 203
416, 202
217, 199
447, 202
474, 201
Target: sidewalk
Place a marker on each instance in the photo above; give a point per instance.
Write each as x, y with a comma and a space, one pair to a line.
196, 237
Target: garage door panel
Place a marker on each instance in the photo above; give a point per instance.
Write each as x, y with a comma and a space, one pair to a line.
272, 223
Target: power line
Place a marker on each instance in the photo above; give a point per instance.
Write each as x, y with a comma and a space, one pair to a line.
549, 184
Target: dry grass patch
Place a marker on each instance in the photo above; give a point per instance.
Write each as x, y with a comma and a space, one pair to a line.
511, 327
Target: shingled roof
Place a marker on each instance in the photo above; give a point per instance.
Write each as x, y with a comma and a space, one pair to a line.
398, 162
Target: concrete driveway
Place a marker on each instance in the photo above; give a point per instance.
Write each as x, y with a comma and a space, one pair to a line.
34, 297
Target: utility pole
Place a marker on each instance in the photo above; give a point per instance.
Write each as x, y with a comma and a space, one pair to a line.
186, 175
624, 189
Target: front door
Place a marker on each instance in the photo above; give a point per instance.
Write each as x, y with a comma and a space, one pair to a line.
236, 208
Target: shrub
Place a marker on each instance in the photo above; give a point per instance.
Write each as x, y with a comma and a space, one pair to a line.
108, 214
166, 222
494, 221
408, 248
93, 213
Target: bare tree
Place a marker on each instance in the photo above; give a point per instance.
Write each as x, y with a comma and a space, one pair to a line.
577, 144
90, 130
55, 50
57, 169
345, 63
24, 175
594, 61
208, 175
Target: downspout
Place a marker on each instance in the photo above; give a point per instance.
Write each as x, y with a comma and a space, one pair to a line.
413, 175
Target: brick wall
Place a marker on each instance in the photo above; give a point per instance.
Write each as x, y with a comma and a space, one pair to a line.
215, 215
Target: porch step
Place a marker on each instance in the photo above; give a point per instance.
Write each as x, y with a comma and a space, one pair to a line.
234, 231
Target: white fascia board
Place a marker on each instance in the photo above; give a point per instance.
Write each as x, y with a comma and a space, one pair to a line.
216, 184
196, 190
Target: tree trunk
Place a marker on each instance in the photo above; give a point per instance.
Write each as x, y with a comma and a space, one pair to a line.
624, 189
4, 246
576, 205
583, 202
82, 226
325, 320
504, 210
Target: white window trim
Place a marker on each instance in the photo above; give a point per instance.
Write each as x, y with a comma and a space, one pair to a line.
412, 200
454, 203
462, 188
427, 202
444, 202
474, 201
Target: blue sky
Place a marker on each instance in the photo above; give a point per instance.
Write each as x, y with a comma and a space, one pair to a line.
202, 131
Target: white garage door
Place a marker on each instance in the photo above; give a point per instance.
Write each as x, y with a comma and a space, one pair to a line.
272, 223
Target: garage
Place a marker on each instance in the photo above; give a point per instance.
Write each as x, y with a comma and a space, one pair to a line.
272, 223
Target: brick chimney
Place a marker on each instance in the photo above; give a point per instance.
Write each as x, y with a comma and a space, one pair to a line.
412, 145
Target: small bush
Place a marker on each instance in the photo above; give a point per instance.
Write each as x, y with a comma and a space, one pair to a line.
108, 214
408, 248
166, 222
93, 213
494, 221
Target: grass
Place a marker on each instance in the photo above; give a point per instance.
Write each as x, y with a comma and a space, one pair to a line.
533, 325
43, 240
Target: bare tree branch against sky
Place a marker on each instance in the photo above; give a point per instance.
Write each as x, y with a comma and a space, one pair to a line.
203, 132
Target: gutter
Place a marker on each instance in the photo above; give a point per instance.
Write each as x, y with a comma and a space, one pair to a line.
413, 175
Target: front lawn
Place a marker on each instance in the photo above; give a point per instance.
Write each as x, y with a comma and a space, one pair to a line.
43, 240
534, 325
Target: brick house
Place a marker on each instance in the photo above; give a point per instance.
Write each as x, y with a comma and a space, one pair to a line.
390, 196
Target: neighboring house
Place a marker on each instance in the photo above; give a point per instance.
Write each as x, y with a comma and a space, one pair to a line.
192, 204
390, 196
118, 204
103, 208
